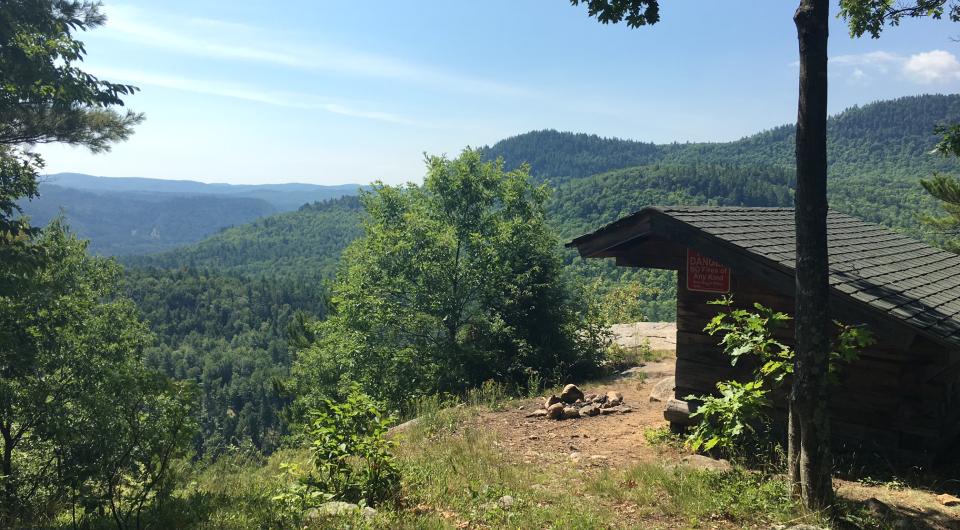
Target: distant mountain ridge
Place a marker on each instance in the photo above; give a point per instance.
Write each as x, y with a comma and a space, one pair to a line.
123, 216
284, 197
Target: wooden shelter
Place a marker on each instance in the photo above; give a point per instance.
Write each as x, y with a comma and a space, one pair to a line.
901, 397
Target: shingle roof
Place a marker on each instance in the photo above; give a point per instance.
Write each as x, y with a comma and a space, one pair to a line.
893, 273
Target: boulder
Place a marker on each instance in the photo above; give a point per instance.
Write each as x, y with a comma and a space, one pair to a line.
705, 463
555, 411
571, 394
663, 390
550, 401
570, 413
590, 410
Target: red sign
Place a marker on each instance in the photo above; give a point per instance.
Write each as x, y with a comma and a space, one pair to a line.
705, 274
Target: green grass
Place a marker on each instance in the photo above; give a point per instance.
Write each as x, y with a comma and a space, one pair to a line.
455, 473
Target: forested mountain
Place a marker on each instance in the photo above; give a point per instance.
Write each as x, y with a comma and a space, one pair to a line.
303, 244
229, 333
889, 138
124, 216
559, 156
284, 197
119, 223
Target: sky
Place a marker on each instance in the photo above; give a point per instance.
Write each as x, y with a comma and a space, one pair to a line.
333, 92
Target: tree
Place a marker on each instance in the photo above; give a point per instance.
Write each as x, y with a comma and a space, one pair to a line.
453, 282
76, 401
809, 428
946, 188
46, 98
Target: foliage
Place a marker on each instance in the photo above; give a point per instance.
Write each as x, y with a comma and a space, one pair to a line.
870, 16
635, 13
453, 283
351, 454
75, 392
231, 335
732, 419
727, 420
946, 189
46, 97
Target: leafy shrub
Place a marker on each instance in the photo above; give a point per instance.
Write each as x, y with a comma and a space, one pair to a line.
729, 420
351, 453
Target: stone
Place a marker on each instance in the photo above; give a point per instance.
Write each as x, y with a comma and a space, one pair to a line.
570, 413
555, 411
705, 463
589, 397
550, 401
614, 397
590, 410
539, 413
404, 427
571, 394
948, 500
663, 390
505, 502
339, 509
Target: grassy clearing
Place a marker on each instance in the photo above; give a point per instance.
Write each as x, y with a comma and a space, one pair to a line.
455, 475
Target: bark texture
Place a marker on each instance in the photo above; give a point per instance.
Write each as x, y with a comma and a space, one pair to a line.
809, 452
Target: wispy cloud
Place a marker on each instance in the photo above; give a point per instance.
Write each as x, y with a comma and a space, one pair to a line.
246, 93
132, 25
925, 68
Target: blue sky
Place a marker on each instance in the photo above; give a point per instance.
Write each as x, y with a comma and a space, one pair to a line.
334, 92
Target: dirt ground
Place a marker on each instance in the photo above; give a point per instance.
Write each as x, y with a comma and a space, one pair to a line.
618, 440
597, 440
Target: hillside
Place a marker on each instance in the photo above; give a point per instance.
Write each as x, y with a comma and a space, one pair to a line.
889, 138
305, 243
123, 216
119, 223
283, 197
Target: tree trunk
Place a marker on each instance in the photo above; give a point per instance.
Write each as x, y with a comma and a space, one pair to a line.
810, 393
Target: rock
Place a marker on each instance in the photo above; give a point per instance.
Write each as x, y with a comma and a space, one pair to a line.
618, 409
550, 401
505, 502
590, 410
555, 411
589, 397
663, 390
571, 394
339, 509
404, 427
539, 413
705, 463
614, 397
570, 413
948, 500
